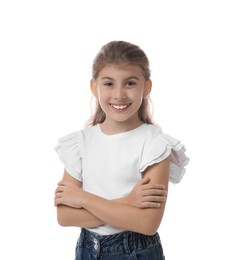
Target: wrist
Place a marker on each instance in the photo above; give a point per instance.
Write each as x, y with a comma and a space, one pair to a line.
83, 198
123, 200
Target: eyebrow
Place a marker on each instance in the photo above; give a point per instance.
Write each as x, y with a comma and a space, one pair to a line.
132, 77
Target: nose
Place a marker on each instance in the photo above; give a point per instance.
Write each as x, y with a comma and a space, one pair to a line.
119, 93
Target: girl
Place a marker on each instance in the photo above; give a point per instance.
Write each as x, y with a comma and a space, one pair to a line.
117, 169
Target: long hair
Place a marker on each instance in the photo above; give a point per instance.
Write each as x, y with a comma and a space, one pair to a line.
120, 52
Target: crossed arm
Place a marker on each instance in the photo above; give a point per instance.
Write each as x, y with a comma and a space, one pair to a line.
140, 211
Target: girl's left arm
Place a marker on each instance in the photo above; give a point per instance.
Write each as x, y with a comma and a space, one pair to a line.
123, 216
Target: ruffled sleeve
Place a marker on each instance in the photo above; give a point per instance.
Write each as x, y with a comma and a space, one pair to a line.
159, 148
69, 151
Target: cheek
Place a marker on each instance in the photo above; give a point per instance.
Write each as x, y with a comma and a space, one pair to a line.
101, 95
138, 98
103, 100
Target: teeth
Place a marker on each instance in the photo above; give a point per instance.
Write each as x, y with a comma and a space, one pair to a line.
120, 107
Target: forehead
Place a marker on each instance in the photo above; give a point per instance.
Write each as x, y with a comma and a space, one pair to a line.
125, 70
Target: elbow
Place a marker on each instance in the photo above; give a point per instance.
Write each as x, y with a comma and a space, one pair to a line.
150, 230
149, 226
61, 219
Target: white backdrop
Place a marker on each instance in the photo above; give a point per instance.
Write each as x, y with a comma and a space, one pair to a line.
46, 52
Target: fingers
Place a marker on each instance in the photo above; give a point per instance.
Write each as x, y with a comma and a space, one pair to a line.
59, 189
154, 192
58, 195
56, 202
154, 186
145, 181
154, 199
62, 183
57, 199
150, 204
59, 192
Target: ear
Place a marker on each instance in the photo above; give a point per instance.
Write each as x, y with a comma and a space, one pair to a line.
93, 86
148, 87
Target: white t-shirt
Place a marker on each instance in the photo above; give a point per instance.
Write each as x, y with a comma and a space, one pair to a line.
110, 165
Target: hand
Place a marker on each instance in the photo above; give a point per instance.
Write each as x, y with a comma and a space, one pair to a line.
146, 195
68, 194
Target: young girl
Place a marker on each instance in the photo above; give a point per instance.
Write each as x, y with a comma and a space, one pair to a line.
117, 170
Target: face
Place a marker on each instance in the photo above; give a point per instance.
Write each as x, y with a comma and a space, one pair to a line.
120, 90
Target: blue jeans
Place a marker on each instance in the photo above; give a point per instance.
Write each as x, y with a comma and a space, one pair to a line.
123, 246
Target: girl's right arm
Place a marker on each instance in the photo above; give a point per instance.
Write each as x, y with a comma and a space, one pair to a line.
78, 217
143, 195
68, 216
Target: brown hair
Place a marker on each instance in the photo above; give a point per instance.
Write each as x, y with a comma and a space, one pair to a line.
120, 52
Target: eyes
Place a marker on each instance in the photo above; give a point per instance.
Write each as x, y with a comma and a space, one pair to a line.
128, 84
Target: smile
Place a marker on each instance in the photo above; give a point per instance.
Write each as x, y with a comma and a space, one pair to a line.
120, 106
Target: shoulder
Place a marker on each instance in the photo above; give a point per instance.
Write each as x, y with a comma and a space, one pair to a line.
149, 133
152, 130
78, 135
69, 144
90, 130
158, 147
156, 135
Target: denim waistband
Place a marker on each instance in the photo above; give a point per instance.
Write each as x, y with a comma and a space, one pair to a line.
123, 243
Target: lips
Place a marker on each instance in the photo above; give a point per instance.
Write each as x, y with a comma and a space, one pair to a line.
120, 106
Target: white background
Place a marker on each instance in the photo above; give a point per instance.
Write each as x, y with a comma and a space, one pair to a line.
46, 52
